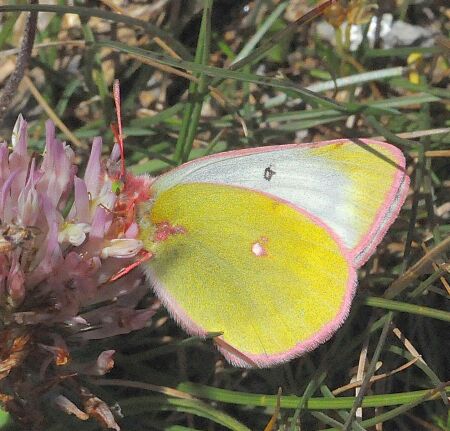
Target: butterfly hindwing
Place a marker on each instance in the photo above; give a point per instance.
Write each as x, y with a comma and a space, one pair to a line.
273, 279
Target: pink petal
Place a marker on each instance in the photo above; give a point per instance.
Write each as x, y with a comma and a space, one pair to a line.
19, 161
92, 175
98, 224
6, 210
56, 167
81, 201
4, 165
29, 204
70, 408
16, 281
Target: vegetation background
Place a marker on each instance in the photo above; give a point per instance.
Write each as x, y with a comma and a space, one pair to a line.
199, 77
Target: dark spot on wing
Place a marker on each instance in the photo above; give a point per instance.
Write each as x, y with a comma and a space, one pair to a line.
269, 173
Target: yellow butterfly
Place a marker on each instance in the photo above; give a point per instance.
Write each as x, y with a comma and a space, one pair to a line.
262, 245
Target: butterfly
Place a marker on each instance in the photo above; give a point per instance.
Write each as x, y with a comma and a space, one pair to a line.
262, 245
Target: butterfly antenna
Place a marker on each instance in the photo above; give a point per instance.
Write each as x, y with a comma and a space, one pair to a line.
118, 130
144, 256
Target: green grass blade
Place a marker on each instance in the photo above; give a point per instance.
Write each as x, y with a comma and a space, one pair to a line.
396, 411
136, 405
404, 307
217, 72
250, 46
201, 89
292, 401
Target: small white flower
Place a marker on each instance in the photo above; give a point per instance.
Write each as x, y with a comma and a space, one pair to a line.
122, 248
75, 233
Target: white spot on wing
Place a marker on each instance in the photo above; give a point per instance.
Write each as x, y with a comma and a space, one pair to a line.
258, 247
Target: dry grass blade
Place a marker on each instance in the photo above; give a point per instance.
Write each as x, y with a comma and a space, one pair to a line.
37, 46
408, 345
436, 268
51, 113
144, 386
273, 420
360, 373
417, 134
378, 377
416, 270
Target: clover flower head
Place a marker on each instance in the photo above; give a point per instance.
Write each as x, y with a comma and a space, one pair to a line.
62, 238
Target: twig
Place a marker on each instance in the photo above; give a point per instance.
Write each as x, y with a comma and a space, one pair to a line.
37, 46
22, 62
